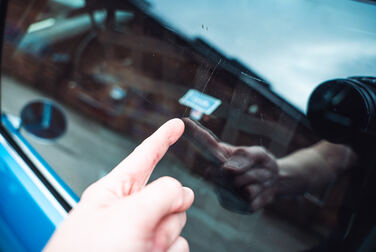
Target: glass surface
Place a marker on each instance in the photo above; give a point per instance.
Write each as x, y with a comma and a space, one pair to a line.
243, 72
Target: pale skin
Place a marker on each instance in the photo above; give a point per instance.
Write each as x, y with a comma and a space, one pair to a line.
121, 212
262, 177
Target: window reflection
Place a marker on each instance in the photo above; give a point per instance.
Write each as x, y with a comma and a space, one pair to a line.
119, 70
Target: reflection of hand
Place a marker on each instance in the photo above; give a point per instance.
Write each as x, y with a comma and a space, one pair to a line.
252, 171
120, 213
255, 172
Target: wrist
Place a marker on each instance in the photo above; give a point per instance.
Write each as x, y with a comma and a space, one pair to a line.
289, 180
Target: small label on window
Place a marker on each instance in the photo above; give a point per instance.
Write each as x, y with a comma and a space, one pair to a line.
199, 101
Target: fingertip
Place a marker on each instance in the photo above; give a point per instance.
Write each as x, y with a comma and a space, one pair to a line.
180, 125
189, 196
176, 128
180, 245
176, 121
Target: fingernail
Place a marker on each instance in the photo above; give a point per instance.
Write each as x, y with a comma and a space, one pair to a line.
188, 194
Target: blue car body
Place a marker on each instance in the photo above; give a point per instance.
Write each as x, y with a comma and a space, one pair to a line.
29, 212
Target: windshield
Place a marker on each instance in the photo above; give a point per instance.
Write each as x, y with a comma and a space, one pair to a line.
271, 165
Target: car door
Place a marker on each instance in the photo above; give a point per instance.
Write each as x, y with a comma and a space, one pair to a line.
116, 70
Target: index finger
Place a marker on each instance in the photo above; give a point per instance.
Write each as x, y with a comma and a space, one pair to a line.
135, 170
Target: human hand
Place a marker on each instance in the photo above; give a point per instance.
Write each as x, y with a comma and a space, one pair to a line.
120, 213
250, 172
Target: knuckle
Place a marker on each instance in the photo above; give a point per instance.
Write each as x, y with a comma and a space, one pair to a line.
152, 158
155, 155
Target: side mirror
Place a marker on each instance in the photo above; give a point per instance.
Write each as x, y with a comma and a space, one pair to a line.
43, 119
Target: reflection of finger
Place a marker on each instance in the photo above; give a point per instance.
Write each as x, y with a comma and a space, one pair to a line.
204, 137
252, 176
169, 230
162, 197
197, 130
180, 245
264, 198
135, 170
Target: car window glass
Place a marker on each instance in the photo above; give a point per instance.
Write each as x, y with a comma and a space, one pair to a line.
241, 72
